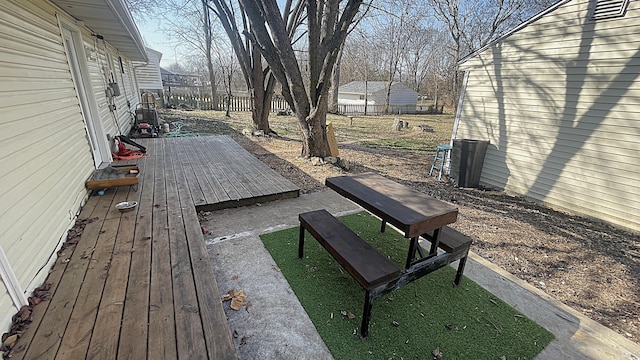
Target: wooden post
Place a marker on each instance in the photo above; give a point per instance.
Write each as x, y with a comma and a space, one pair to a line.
331, 139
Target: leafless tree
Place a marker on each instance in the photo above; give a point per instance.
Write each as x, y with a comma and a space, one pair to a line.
327, 25
191, 28
394, 24
227, 67
472, 24
207, 30
258, 77
141, 9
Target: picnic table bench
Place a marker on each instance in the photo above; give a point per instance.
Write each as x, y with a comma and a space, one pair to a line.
374, 271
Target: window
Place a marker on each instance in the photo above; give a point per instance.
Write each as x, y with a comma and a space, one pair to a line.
605, 9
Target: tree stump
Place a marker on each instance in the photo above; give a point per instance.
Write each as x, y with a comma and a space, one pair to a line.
398, 124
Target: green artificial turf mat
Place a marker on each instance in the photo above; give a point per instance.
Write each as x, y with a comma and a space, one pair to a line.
464, 322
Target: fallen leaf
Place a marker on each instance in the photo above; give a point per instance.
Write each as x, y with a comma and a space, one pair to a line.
348, 314
10, 341
234, 277
247, 306
237, 298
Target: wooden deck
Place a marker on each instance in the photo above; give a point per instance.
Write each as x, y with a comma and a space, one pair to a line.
139, 285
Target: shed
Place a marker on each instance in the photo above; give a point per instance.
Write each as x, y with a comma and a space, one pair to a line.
67, 86
148, 74
559, 100
402, 99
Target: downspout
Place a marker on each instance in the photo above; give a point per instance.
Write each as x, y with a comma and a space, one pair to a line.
463, 92
456, 123
11, 282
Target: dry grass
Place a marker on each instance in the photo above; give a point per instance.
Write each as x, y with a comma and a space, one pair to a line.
589, 266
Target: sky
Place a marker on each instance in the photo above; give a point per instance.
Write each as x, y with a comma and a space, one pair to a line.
155, 39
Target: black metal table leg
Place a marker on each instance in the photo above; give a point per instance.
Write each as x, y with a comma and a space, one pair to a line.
301, 242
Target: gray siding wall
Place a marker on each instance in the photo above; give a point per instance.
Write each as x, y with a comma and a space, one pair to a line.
45, 156
559, 101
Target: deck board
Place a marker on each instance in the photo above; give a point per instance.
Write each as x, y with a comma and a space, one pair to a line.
140, 285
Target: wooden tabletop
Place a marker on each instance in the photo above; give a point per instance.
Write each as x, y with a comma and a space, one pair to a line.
411, 211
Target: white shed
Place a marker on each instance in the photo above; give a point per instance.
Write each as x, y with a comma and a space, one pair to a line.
148, 74
67, 83
559, 100
401, 97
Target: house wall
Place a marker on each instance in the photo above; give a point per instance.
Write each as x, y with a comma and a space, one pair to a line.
148, 75
350, 98
44, 152
559, 102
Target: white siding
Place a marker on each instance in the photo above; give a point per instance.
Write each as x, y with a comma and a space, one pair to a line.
102, 72
148, 75
559, 101
45, 156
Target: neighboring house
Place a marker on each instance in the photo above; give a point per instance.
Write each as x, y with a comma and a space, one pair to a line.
148, 75
351, 96
559, 100
67, 84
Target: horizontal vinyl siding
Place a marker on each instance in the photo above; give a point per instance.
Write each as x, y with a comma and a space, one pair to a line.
559, 102
44, 152
149, 77
119, 121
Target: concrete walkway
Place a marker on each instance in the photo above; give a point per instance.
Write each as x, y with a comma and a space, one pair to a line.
273, 325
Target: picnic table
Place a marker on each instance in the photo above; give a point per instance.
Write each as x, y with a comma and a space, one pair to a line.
414, 213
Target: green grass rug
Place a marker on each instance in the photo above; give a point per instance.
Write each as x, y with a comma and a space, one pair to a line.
425, 317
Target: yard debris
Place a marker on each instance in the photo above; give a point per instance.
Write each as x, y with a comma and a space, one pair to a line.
395, 323
10, 341
437, 354
348, 314
237, 298
399, 124
20, 321
424, 128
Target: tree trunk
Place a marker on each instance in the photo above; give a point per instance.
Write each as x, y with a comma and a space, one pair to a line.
335, 84
314, 133
261, 94
208, 32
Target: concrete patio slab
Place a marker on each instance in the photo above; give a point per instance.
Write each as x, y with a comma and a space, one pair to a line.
274, 324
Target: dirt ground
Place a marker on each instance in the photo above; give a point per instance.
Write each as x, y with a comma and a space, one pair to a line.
590, 266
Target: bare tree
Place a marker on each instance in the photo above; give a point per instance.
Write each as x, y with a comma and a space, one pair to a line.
190, 27
474, 23
207, 30
327, 27
257, 75
140, 9
227, 66
394, 25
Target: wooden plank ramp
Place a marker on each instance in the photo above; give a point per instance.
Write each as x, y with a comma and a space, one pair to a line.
139, 284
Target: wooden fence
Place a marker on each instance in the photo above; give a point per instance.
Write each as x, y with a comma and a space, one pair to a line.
236, 103
243, 103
